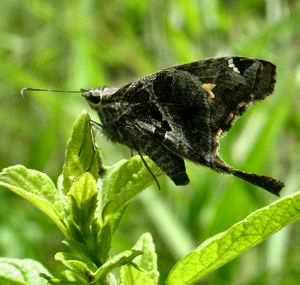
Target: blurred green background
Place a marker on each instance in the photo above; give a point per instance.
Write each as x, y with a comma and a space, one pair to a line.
85, 44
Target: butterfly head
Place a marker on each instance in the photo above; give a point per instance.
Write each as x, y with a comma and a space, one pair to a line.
96, 96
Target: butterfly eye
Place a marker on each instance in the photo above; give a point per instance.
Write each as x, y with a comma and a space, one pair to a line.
92, 97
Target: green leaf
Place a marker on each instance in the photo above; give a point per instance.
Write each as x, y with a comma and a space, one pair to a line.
104, 243
72, 277
118, 260
38, 189
111, 279
117, 219
147, 264
86, 269
55, 281
81, 155
21, 271
11, 281
80, 251
223, 247
123, 182
83, 201
83, 269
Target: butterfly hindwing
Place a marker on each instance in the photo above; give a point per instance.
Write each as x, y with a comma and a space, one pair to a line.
172, 164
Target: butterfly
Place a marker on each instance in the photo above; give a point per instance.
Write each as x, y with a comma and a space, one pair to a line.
181, 112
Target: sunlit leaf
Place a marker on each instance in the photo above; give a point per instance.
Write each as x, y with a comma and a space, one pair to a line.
104, 243
123, 182
223, 247
38, 189
146, 273
83, 201
116, 261
21, 271
83, 269
81, 155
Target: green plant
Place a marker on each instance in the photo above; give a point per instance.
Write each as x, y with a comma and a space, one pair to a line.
87, 205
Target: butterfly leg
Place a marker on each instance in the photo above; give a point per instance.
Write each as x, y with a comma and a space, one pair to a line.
149, 169
96, 125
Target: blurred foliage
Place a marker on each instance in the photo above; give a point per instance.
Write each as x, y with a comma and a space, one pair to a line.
87, 43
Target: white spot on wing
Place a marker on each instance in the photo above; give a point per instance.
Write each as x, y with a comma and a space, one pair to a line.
236, 70
231, 65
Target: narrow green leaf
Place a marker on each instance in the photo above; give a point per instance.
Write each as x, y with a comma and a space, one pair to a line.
104, 243
117, 219
74, 232
11, 281
74, 279
123, 182
118, 260
38, 189
147, 264
173, 233
21, 271
59, 182
83, 201
81, 155
79, 251
223, 247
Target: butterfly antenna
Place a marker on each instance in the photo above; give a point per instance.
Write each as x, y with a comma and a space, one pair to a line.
23, 90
